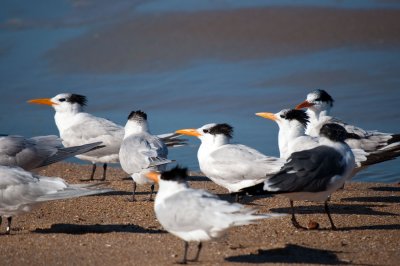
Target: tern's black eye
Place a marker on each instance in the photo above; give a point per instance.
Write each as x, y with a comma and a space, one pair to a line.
282, 116
206, 130
62, 100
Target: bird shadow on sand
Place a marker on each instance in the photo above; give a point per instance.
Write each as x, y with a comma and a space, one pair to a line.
290, 254
391, 189
359, 209
79, 229
386, 199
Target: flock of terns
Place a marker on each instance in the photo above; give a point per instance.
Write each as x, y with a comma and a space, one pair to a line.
318, 154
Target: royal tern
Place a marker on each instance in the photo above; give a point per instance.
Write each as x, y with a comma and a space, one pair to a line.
292, 138
195, 215
319, 104
77, 127
313, 174
141, 152
232, 166
20, 191
37, 151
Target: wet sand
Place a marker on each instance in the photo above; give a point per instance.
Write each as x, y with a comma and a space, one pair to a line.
165, 41
109, 230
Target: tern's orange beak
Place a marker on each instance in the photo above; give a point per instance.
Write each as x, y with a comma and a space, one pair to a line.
189, 132
268, 116
304, 104
154, 176
46, 101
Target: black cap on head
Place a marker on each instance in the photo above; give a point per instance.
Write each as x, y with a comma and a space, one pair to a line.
177, 174
76, 98
323, 96
333, 132
299, 115
137, 115
224, 129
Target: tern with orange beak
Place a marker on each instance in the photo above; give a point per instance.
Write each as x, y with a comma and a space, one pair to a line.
232, 166
313, 174
195, 215
77, 127
382, 146
141, 152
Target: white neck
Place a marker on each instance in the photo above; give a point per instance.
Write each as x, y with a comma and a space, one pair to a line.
133, 127
167, 189
210, 143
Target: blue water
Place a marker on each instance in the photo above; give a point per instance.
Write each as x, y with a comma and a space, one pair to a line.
364, 81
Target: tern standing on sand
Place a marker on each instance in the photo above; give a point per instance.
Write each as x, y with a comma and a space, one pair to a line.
232, 166
141, 152
77, 127
195, 215
313, 174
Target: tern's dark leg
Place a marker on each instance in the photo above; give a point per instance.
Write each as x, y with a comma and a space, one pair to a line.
92, 174
199, 246
8, 230
151, 192
184, 261
333, 227
133, 191
294, 221
238, 196
104, 172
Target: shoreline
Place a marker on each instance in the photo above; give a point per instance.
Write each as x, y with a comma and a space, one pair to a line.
104, 230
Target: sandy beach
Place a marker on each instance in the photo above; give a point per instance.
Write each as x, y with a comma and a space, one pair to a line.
109, 230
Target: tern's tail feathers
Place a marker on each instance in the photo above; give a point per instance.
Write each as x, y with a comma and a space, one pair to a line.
381, 156
64, 153
394, 138
173, 140
248, 216
73, 192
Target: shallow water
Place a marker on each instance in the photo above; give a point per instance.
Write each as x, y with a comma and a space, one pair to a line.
187, 64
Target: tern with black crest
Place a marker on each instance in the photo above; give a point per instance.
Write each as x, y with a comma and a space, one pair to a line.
385, 146
313, 174
77, 127
195, 215
141, 152
232, 166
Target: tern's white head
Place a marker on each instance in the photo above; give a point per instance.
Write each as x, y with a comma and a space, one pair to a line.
137, 123
317, 101
289, 119
169, 182
64, 102
211, 134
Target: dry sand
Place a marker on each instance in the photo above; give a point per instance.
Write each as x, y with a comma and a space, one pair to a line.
109, 230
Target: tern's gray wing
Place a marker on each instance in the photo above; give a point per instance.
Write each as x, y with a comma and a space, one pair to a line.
27, 153
308, 171
92, 129
19, 189
242, 162
139, 151
64, 153
194, 210
173, 139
